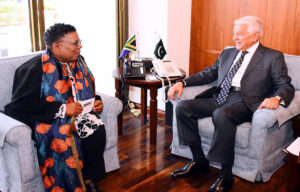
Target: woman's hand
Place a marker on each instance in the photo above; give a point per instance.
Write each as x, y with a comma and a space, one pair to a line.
73, 109
98, 106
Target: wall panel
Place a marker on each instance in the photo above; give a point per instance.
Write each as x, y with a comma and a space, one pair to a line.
212, 27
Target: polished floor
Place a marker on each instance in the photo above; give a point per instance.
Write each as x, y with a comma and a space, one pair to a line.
147, 168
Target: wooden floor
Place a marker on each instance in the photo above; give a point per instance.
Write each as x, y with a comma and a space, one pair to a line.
147, 168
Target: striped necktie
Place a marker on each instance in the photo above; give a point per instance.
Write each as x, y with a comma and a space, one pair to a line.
222, 97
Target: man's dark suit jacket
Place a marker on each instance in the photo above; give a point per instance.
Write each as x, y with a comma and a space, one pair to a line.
265, 76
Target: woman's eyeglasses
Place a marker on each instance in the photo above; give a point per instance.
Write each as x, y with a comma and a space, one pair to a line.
76, 43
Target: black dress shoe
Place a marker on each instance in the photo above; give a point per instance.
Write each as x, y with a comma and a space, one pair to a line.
189, 169
92, 187
221, 185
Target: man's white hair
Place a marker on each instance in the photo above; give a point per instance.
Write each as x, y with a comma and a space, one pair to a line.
255, 24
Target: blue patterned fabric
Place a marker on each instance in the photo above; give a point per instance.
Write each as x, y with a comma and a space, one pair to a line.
222, 97
56, 159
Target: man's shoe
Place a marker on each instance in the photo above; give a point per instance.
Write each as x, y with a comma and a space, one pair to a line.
221, 185
189, 169
92, 187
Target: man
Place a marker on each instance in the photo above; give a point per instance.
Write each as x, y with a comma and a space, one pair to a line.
249, 77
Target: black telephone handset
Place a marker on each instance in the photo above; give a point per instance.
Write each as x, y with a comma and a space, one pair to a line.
127, 68
134, 69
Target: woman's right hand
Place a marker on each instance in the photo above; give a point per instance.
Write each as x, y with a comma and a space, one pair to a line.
73, 109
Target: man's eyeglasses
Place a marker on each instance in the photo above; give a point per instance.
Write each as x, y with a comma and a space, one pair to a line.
76, 43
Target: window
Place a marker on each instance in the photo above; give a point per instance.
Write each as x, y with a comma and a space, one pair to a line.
22, 23
14, 28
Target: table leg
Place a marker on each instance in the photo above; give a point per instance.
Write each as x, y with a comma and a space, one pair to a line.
118, 94
153, 114
293, 174
144, 105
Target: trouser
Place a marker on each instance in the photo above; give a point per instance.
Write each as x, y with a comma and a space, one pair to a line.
92, 151
225, 119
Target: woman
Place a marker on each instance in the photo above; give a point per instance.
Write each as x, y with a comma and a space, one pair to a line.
47, 93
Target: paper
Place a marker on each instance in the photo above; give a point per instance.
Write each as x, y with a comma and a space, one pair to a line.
294, 147
87, 105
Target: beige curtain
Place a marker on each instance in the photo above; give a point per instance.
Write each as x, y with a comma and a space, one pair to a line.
122, 26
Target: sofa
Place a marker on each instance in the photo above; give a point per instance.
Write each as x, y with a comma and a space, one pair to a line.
259, 144
19, 170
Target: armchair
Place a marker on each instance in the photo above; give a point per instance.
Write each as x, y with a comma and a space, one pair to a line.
19, 170
259, 144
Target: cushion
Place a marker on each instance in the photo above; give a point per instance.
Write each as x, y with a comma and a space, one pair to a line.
293, 65
206, 128
7, 72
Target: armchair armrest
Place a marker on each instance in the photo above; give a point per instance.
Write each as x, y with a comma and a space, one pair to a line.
112, 107
191, 92
284, 114
6, 125
262, 122
18, 150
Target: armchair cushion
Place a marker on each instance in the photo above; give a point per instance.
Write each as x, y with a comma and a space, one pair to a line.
243, 131
8, 67
293, 64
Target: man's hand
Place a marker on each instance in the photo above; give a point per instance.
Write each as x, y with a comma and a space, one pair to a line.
269, 103
98, 106
178, 87
73, 109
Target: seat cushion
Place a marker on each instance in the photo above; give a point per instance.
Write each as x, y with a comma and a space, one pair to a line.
206, 129
292, 63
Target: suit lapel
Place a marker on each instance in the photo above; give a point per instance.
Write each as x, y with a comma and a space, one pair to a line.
227, 65
257, 56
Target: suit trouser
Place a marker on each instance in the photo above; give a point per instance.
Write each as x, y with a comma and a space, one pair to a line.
225, 119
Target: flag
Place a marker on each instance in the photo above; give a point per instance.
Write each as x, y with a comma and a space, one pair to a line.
129, 46
160, 50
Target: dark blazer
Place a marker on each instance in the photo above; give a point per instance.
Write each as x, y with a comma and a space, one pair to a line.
265, 76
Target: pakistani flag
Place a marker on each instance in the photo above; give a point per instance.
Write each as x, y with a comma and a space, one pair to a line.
160, 50
129, 46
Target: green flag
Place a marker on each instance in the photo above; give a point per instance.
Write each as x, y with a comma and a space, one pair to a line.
160, 50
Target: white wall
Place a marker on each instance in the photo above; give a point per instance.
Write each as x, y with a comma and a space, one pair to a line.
95, 22
170, 19
179, 30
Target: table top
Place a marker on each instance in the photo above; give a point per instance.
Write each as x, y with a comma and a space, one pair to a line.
149, 80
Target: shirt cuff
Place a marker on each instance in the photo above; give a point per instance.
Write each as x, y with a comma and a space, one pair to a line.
61, 112
182, 81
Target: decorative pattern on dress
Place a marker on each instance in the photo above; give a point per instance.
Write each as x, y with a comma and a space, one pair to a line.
53, 141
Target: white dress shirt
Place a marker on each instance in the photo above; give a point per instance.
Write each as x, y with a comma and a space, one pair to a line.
236, 81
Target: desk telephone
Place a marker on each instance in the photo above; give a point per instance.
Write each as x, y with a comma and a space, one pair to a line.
166, 68
134, 69
137, 69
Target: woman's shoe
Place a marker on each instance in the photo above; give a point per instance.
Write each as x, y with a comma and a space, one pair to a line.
92, 187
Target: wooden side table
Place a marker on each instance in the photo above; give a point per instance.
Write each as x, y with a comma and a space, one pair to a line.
144, 84
293, 183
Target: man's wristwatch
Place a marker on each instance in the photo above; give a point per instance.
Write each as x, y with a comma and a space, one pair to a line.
278, 97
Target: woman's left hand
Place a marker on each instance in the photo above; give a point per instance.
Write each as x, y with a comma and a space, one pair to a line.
98, 106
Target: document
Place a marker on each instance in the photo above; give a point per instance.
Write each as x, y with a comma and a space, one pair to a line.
87, 105
294, 148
